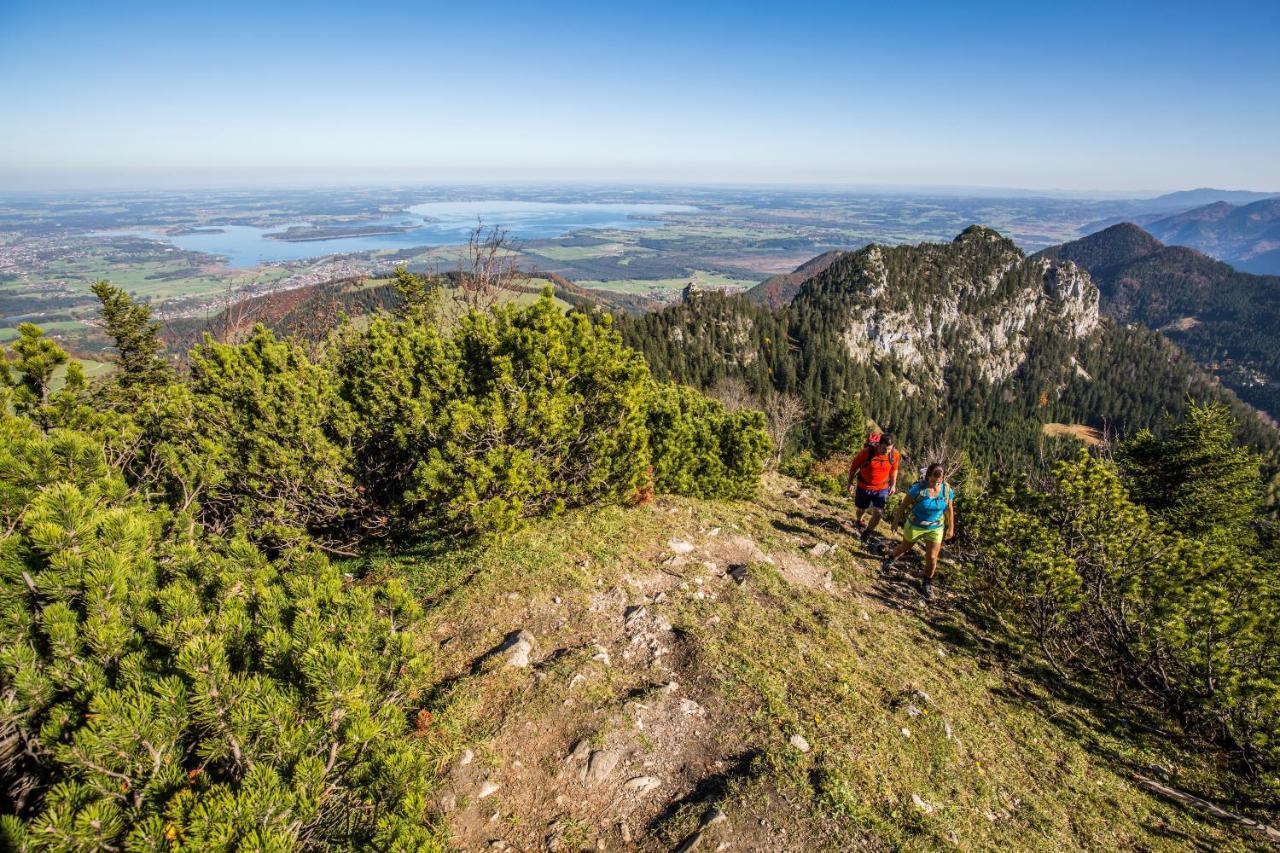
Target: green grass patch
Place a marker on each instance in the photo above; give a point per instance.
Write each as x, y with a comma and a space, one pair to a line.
1001, 754
577, 253
647, 285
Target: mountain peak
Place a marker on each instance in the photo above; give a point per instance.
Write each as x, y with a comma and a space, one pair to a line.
976, 300
1209, 212
981, 233
1209, 309
1106, 249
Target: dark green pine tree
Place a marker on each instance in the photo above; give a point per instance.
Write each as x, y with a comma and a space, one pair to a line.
34, 377
137, 339
845, 430
1196, 478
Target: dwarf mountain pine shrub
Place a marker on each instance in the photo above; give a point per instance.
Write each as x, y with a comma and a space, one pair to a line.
1110, 593
267, 415
516, 413
410, 427
162, 693
700, 449
1197, 478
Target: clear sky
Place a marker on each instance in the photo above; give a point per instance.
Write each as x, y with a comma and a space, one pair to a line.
1116, 95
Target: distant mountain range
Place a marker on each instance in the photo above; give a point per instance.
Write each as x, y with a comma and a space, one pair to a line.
1246, 236
1228, 321
1187, 199
1244, 233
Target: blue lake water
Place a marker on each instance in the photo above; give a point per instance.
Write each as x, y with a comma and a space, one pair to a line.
436, 224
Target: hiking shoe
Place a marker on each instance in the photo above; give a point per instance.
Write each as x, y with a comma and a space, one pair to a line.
926, 589
887, 563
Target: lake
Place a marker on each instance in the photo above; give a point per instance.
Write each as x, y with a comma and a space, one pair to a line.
443, 223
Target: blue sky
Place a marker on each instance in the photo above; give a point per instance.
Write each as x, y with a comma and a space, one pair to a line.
1080, 96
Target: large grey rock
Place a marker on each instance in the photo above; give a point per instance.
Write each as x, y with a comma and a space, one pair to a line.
680, 546
600, 765
580, 752
516, 647
642, 784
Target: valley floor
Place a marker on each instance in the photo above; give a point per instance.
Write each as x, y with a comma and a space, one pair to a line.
740, 676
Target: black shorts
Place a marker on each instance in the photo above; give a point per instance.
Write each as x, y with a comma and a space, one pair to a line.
864, 498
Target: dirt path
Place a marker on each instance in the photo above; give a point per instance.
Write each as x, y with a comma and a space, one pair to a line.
612, 729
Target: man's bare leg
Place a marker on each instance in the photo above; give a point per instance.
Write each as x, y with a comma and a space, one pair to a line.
871, 525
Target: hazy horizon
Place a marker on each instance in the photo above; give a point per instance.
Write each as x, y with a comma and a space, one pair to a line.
517, 186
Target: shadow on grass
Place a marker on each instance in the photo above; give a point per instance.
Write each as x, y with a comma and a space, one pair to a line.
1186, 841
709, 789
819, 522
899, 586
1092, 714
433, 568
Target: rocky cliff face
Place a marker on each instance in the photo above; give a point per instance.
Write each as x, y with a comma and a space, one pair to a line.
977, 300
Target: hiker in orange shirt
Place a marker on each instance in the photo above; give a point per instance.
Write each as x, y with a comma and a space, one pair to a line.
873, 477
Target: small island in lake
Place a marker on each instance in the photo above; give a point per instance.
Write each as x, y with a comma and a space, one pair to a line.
187, 231
306, 233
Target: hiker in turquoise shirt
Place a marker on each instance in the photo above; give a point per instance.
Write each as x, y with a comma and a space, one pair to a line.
930, 503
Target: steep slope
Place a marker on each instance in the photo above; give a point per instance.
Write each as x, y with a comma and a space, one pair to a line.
311, 311
968, 342
1228, 321
742, 675
777, 291
1246, 236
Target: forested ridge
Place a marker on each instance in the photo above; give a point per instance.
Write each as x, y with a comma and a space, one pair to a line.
1112, 376
1224, 319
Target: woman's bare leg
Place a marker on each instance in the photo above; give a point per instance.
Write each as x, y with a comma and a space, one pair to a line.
931, 551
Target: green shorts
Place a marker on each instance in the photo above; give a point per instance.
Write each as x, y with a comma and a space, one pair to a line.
913, 534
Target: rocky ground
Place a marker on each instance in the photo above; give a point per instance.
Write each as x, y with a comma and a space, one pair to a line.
742, 677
